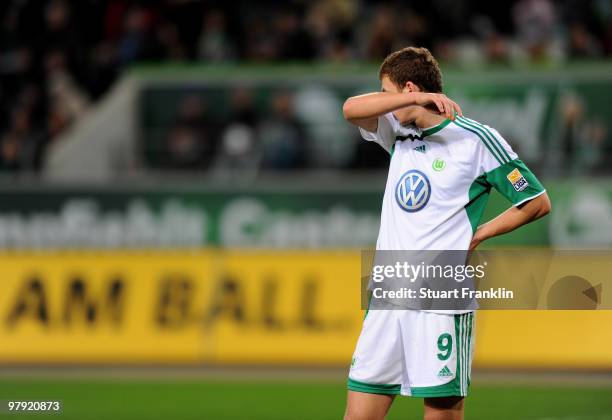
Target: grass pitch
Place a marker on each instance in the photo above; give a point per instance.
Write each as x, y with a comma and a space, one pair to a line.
274, 400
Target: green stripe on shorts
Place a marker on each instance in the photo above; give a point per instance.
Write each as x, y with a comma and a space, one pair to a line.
387, 389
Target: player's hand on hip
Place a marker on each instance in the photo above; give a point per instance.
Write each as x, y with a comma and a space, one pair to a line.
473, 244
479, 236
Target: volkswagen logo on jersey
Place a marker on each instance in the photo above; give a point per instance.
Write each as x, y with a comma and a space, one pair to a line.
412, 191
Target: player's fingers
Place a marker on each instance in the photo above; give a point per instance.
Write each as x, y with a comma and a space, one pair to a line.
457, 108
448, 113
439, 105
451, 107
444, 100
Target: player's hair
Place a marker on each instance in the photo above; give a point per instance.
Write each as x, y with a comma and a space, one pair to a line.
412, 64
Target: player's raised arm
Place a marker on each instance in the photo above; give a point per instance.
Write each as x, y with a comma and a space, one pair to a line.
364, 110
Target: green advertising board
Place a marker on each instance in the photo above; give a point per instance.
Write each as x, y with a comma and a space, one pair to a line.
336, 216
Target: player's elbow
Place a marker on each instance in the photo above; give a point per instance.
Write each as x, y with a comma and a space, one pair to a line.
349, 110
544, 205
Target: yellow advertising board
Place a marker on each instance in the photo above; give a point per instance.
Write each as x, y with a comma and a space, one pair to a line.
201, 306
246, 307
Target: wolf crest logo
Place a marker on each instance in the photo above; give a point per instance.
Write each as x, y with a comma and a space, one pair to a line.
412, 191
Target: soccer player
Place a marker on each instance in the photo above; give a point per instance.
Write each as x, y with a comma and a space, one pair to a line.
442, 168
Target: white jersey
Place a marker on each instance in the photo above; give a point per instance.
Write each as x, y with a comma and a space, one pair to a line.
440, 179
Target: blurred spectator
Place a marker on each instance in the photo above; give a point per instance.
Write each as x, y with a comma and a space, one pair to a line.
239, 153
191, 142
282, 136
582, 44
214, 43
535, 22
382, 34
18, 146
135, 42
292, 39
169, 43
331, 23
581, 136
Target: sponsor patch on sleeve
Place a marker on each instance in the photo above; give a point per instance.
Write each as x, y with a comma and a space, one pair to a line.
517, 180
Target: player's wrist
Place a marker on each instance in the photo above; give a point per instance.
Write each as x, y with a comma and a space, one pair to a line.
414, 98
483, 233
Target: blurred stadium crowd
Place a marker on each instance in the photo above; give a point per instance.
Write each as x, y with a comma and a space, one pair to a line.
58, 57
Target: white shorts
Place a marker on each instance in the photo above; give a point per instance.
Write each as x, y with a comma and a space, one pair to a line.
416, 353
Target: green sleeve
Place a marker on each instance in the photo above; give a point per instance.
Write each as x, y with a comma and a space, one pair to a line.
515, 181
